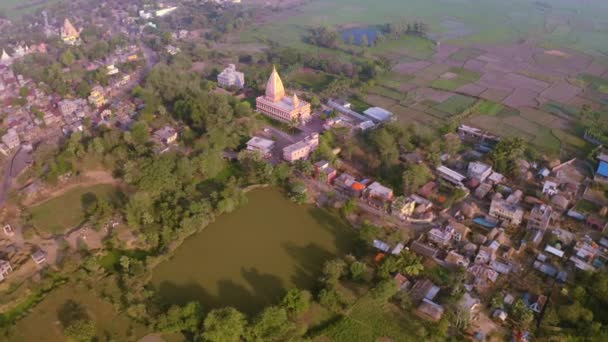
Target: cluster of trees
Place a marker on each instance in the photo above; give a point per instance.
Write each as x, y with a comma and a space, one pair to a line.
217, 20
275, 323
595, 124
580, 312
378, 152
324, 37
505, 154
399, 28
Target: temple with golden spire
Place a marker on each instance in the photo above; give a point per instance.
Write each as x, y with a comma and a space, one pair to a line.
69, 34
277, 105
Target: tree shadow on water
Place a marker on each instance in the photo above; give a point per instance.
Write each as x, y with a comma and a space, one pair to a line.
260, 291
344, 238
309, 261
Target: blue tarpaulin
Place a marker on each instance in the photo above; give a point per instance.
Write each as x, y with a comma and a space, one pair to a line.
602, 170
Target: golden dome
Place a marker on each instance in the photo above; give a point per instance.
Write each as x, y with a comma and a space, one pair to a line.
68, 29
274, 87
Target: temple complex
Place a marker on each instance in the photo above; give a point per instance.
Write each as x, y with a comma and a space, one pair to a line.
69, 34
277, 105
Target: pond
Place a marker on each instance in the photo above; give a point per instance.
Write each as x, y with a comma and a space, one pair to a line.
370, 32
249, 258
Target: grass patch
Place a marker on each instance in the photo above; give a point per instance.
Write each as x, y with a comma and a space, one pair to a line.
560, 109
585, 206
48, 312
465, 54
462, 77
66, 211
369, 321
569, 139
456, 104
358, 105
486, 107
410, 46
311, 80
597, 83
14, 9
387, 92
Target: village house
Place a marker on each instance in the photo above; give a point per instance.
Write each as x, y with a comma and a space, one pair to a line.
349, 185
378, 195
451, 175
302, 149
166, 135
475, 134
455, 259
430, 310
261, 145
39, 257
401, 281
482, 190
5, 269
378, 114
601, 174
11, 139
479, 171
442, 237
424, 249
550, 187
501, 209
459, 230
276, 105
324, 172
540, 217
229, 77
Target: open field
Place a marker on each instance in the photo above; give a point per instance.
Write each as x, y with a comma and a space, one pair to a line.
66, 211
369, 321
463, 22
17, 8
48, 316
455, 78
309, 79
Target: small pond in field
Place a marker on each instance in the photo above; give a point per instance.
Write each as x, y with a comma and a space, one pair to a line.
357, 33
249, 258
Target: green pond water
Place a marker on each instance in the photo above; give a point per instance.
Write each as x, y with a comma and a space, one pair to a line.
249, 258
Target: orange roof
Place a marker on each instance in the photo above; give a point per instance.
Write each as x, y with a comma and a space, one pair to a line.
357, 186
379, 257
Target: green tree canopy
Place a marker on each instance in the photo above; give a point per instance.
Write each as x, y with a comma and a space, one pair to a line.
224, 325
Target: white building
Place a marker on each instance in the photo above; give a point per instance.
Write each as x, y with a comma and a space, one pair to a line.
378, 114
264, 146
231, 78
172, 50
112, 70
377, 190
302, 149
450, 175
165, 11
504, 210
479, 171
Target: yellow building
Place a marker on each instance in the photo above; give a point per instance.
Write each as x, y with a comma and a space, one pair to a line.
276, 105
69, 34
97, 98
